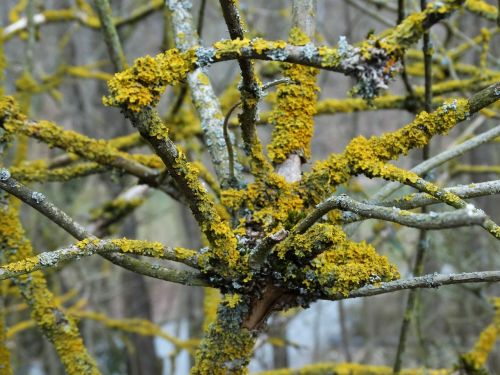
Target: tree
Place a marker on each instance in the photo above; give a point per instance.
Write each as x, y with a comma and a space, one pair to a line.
277, 233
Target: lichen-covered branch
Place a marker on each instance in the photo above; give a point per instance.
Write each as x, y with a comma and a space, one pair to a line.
474, 190
142, 84
440, 159
368, 156
53, 135
293, 114
202, 93
250, 92
90, 247
473, 362
57, 327
41, 204
336, 368
68, 15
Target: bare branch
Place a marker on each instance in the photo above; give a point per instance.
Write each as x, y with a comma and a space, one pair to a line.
427, 281
432, 220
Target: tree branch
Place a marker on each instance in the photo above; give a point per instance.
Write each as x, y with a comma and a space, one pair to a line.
427, 281
463, 191
59, 217
440, 159
432, 220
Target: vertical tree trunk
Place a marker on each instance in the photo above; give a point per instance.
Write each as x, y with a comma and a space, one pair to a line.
143, 360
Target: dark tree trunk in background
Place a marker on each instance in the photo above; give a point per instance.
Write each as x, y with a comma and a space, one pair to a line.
137, 304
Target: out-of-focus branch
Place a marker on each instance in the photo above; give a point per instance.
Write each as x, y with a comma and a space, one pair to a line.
110, 34
91, 149
69, 15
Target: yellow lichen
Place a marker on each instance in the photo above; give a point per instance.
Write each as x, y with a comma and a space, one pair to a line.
482, 8
348, 265
223, 242
227, 347
293, 114
142, 84
211, 300
182, 253
56, 326
154, 249
369, 156
272, 201
475, 360
352, 369
230, 46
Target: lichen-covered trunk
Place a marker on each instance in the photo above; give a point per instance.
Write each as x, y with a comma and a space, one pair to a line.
227, 345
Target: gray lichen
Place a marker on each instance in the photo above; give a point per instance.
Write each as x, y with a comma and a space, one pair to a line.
309, 51
37, 197
278, 54
205, 56
372, 73
4, 174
